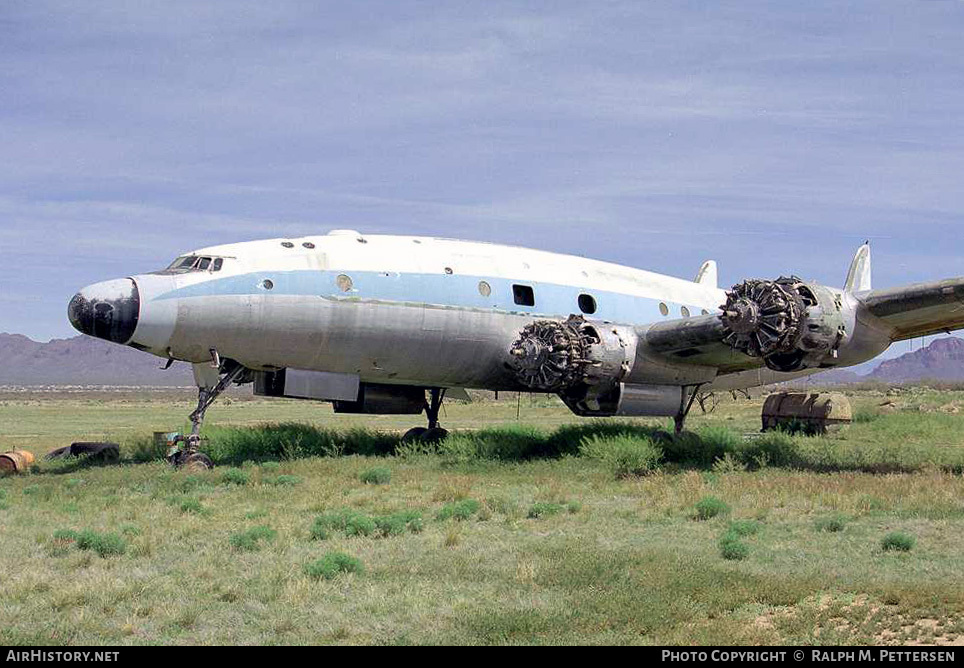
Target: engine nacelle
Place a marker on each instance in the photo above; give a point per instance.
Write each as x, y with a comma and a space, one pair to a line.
625, 400
790, 324
555, 355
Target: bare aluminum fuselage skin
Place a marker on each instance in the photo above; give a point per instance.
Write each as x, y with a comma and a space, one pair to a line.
407, 310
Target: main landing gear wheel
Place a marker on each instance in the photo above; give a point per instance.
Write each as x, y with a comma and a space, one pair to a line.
414, 434
196, 463
434, 433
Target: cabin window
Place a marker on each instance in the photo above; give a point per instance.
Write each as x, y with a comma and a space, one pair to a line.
344, 282
485, 289
287, 244
523, 295
685, 312
663, 308
587, 304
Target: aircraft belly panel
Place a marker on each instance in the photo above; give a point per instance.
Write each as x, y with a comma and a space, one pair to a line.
381, 342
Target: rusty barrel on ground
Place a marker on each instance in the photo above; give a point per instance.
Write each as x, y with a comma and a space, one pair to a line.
17, 461
804, 412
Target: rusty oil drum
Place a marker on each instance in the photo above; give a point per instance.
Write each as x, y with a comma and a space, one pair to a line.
810, 413
18, 461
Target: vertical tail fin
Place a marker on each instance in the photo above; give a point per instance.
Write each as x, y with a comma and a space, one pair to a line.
707, 274
858, 278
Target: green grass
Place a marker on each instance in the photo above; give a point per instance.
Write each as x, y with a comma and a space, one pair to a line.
732, 548
898, 541
544, 509
624, 565
831, 523
333, 564
252, 539
105, 544
458, 510
380, 475
625, 454
709, 507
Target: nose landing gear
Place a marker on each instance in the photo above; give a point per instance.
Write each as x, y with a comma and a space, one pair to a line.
185, 450
434, 433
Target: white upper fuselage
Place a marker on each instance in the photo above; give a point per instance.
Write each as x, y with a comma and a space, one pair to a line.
391, 309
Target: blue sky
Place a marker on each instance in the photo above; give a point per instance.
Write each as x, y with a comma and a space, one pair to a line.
773, 137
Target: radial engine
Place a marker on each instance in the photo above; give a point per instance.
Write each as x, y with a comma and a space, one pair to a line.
790, 324
585, 363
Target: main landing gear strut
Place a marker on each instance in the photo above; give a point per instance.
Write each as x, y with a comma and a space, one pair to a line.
186, 451
685, 404
434, 433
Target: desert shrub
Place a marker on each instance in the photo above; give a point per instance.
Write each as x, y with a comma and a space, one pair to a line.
104, 544
380, 475
732, 548
282, 480
191, 482
398, 523
292, 440
626, 455
459, 510
573, 507
691, 449
743, 528
353, 523
251, 539
191, 504
709, 507
333, 563
131, 530
143, 448
774, 448
508, 443
898, 541
66, 535
831, 523
538, 510
568, 439
235, 477
349, 522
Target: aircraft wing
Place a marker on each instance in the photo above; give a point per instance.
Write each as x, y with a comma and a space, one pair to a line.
919, 309
695, 341
879, 317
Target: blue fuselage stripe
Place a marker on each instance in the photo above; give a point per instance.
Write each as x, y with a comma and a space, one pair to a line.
436, 289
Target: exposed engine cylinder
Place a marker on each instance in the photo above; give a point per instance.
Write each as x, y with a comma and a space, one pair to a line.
790, 324
553, 355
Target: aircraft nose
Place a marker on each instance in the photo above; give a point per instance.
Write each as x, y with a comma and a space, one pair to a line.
107, 310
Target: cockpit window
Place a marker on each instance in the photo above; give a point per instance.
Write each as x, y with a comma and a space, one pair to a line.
188, 263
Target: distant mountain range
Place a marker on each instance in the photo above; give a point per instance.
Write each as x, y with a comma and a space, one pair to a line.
942, 360
83, 360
